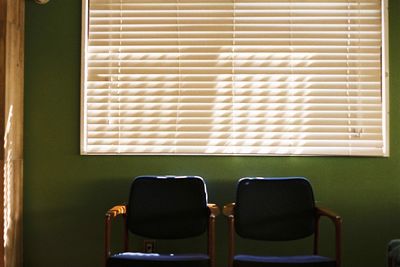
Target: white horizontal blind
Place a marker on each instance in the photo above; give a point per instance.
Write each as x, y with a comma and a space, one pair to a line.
292, 77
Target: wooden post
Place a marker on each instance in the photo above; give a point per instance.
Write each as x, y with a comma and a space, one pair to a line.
3, 13
12, 13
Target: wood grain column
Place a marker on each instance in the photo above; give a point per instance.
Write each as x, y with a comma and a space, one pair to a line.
12, 14
2, 117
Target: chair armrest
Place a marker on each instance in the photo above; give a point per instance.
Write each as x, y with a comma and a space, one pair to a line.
228, 209
214, 210
111, 214
328, 213
337, 221
115, 211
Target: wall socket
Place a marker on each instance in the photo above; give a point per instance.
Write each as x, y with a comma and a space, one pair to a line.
149, 246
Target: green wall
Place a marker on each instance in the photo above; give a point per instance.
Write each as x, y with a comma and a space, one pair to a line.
66, 195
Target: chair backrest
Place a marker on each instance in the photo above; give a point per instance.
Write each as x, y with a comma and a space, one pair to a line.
168, 207
274, 209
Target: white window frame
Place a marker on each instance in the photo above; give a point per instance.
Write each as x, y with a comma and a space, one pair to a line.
384, 92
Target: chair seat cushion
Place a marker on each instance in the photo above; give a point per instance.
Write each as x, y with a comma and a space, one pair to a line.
132, 259
283, 261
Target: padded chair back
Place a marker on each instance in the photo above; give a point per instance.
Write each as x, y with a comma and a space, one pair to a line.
168, 207
274, 209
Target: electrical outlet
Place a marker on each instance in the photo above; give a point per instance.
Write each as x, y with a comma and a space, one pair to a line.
149, 246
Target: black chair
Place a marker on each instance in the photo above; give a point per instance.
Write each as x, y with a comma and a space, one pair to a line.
164, 208
394, 253
278, 209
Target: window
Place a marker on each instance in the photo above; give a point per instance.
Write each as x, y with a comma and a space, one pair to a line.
234, 77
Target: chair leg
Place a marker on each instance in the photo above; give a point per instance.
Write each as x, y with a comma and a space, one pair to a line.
211, 240
231, 241
338, 227
107, 233
316, 236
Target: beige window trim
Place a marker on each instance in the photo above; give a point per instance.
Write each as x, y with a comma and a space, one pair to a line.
234, 77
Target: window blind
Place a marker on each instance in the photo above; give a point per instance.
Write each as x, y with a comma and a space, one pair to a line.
240, 77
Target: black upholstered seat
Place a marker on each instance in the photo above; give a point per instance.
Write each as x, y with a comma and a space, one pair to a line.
165, 208
277, 209
129, 259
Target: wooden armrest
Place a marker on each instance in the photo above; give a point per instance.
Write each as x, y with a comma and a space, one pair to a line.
111, 214
228, 209
116, 210
328, 213
337, 221
214, 210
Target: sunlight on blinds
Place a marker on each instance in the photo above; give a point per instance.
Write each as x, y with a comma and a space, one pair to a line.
238, 77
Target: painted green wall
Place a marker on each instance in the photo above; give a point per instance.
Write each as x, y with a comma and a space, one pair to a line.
66, 194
